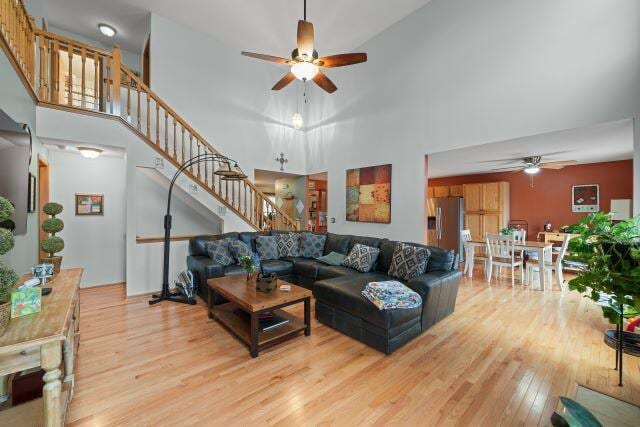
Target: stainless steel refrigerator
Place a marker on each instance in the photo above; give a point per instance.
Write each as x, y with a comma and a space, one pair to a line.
445, 220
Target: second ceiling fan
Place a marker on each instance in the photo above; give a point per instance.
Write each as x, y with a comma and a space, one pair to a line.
305, 63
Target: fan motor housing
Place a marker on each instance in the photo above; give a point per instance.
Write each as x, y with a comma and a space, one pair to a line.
296, 56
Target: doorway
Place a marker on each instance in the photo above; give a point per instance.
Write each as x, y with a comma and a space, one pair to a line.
43, 197
317, 198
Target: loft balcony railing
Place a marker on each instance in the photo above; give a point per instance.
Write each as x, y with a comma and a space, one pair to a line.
63, 73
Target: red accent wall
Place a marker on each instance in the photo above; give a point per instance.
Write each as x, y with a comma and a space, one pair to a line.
550, 199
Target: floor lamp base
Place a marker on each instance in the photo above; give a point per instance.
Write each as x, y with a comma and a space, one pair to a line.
171, 297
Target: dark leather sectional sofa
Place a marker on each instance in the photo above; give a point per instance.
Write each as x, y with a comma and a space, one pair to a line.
337, 289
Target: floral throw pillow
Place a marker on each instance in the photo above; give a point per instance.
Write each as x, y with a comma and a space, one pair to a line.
361, 258
267, 247
218, 251
408, 261
312, 245
238, 249
288, 244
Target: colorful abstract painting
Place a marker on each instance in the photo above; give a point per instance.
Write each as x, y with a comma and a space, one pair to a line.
369, 194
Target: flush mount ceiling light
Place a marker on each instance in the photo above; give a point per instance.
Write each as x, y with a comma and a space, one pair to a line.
107, 30
89, 152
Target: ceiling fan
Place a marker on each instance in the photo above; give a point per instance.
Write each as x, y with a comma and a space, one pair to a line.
305, 63
533, 164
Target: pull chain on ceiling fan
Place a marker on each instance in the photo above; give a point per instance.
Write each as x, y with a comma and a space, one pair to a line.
305, 63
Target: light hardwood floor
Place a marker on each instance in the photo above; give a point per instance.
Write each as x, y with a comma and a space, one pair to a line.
502, 358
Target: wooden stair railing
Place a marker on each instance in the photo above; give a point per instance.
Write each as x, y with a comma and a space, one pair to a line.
79, 77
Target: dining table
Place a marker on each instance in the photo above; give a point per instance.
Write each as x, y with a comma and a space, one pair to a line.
544, 250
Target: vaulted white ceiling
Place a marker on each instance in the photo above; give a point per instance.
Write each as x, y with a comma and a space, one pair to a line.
267, 26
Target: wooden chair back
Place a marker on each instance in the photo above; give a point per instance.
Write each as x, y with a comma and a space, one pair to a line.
501, 246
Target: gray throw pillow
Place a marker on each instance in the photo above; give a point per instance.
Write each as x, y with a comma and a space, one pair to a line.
361, 258
218, 251
312, 245
408, 261
238, 249
288, 244
333, 258
267, 247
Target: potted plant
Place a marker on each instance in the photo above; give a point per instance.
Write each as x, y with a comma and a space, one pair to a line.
52, 244
8, 277
248, 265
610, 255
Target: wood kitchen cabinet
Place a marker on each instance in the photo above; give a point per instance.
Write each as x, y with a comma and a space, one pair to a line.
441, 191
486, 207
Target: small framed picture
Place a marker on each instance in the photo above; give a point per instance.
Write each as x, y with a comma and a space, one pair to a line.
31, 203
585, 198
89, 204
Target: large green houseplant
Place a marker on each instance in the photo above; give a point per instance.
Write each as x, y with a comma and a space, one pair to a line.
52, 244
610, 253
8, 277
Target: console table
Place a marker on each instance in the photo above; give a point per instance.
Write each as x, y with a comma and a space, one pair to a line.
48, 339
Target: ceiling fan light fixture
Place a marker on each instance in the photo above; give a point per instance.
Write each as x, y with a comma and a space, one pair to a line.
532, 170
304, 70
107, 30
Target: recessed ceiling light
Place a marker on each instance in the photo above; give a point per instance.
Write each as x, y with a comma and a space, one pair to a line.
107, 30
89, 152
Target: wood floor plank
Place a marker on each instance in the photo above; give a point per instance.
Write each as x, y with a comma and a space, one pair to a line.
502, 358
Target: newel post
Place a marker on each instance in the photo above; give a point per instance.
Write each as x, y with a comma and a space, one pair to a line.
117, 60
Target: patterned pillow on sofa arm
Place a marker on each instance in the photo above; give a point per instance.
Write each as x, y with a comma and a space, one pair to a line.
361, 258
408, 261
218, 251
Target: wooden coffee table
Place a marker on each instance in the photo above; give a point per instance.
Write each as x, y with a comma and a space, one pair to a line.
240, 314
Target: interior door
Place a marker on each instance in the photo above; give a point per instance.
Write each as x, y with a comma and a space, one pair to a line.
472, 197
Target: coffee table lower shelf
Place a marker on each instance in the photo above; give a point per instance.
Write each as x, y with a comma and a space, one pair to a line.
240, 325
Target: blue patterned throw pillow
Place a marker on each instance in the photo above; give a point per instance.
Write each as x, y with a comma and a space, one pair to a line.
312, 245
218, 251
361, 258
288, 244
238, 249
267, 247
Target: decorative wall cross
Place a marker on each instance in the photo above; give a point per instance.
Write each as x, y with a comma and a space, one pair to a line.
282, 161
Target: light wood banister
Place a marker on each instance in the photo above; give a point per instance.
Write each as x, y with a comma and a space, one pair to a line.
109, 92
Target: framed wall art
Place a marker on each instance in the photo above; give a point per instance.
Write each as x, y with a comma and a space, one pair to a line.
369, 194
585, 198
89, 204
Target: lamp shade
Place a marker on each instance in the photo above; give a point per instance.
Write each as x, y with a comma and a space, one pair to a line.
304, 70
225, 169
238, 175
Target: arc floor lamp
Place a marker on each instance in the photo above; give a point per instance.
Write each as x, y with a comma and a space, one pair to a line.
228, 173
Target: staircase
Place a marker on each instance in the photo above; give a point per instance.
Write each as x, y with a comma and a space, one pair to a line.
49, 64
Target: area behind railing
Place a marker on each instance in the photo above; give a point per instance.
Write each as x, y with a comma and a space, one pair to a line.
78, 77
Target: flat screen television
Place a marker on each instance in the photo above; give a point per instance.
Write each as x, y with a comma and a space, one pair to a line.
15, 155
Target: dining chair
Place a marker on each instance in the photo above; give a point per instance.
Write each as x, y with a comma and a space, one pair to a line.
502, 253
465, 235
520, 236
533, 269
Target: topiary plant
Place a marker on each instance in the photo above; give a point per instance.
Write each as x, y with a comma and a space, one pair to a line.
6, 241
52, 208
6, 209
52, 225
8, 278
52, 245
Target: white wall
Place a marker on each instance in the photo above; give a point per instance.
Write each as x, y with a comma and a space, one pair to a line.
16, 102
226, 97
95, 243
462, 72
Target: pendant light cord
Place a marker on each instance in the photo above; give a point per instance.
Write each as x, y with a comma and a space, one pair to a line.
305, 10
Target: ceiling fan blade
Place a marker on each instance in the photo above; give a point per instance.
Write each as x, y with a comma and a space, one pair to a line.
288, 78
557, 165
305, 39
267, 57
323, 81
342, 60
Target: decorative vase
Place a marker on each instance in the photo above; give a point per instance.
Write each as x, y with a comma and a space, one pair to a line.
55, 260
5, 315
249, 276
